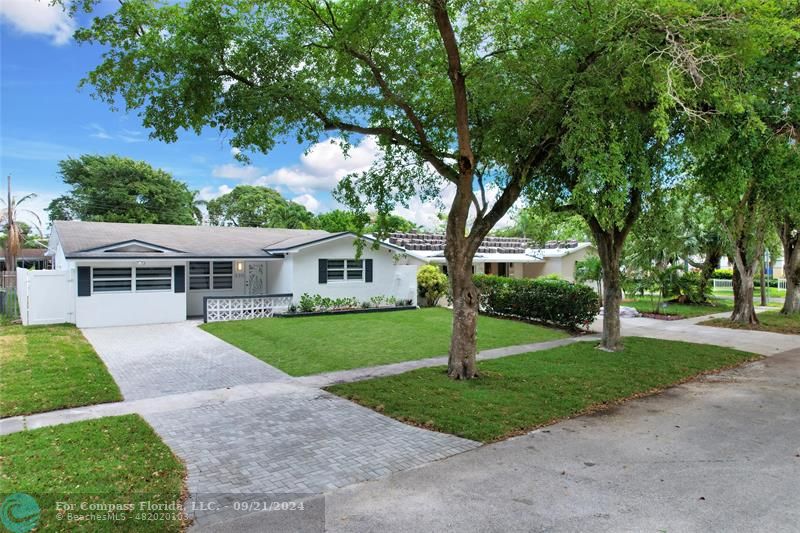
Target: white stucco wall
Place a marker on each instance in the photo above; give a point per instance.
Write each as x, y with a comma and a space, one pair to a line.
387, 280
102, 309
279, 276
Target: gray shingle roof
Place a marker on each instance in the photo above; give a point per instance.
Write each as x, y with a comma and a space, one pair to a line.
87, 239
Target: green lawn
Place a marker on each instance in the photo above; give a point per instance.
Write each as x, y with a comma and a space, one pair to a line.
772, 292
108, 460
310, 345
772, 321
50, 367
518, 393
644, 304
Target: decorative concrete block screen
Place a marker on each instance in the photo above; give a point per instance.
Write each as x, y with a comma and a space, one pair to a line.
220, 309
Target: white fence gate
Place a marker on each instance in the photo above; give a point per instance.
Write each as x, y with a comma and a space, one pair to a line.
45, 296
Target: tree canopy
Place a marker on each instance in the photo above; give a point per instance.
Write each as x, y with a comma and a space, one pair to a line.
118, 189
257, 207
576, 102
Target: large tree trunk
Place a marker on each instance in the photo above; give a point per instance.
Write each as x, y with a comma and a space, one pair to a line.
463, 342
790, 238
609, 248
763, 285
744, 312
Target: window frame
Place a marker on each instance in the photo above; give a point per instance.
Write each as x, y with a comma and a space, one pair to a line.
130, 278
348, 266
133, 279
169, 277
210, 276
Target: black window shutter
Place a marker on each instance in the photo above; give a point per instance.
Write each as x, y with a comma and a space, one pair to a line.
180, 278
323, 271
368, 270
84, 281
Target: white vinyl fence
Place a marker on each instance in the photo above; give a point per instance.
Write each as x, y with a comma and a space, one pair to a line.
728, 284
722, 283
220, 309
45, 296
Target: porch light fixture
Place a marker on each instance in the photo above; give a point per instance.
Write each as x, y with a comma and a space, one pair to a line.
239, 266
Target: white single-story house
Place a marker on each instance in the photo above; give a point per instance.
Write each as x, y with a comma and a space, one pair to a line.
127, 274
503, 256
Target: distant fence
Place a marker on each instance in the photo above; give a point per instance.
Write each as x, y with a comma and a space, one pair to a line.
222, 308
9, 304
728, 284
8, 280
723, 283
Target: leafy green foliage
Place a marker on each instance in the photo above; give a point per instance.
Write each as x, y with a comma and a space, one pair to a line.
257, 207
555, 302
432, 283
338, 221
118, 189
723, 273
589, 269
541, 226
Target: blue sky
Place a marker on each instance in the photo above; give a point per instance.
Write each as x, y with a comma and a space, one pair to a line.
44, 118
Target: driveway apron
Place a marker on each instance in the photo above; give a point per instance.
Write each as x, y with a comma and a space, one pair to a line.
162, 359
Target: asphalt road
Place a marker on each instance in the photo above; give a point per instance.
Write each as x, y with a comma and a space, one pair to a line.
720, 454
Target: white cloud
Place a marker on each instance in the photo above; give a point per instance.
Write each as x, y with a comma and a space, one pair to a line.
322, 167
209, 193
236, 172
235, 151
128, 136
38, 17
308, 201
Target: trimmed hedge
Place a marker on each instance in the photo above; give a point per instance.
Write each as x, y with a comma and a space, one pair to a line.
557, 302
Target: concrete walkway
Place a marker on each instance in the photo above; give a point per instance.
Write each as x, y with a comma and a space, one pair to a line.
361, 374
688, 330
719, 454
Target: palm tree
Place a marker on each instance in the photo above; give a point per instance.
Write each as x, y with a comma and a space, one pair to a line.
14, 233
590, 269
197, 205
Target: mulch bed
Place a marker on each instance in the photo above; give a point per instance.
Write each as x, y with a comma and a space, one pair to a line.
661, 316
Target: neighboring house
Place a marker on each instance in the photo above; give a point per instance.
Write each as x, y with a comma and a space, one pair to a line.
126, 274
503, 256
773, 270
27, 258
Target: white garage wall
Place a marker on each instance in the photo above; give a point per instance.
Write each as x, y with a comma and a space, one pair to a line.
129, 308
388, 278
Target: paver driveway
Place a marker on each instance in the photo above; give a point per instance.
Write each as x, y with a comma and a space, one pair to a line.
289, 439
161, 359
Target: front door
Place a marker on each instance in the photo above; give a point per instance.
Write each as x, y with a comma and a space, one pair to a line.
255, 282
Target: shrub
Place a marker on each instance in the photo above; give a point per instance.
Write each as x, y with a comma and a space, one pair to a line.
306, 303
556, 302
432, 283
723, 273
690, 289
